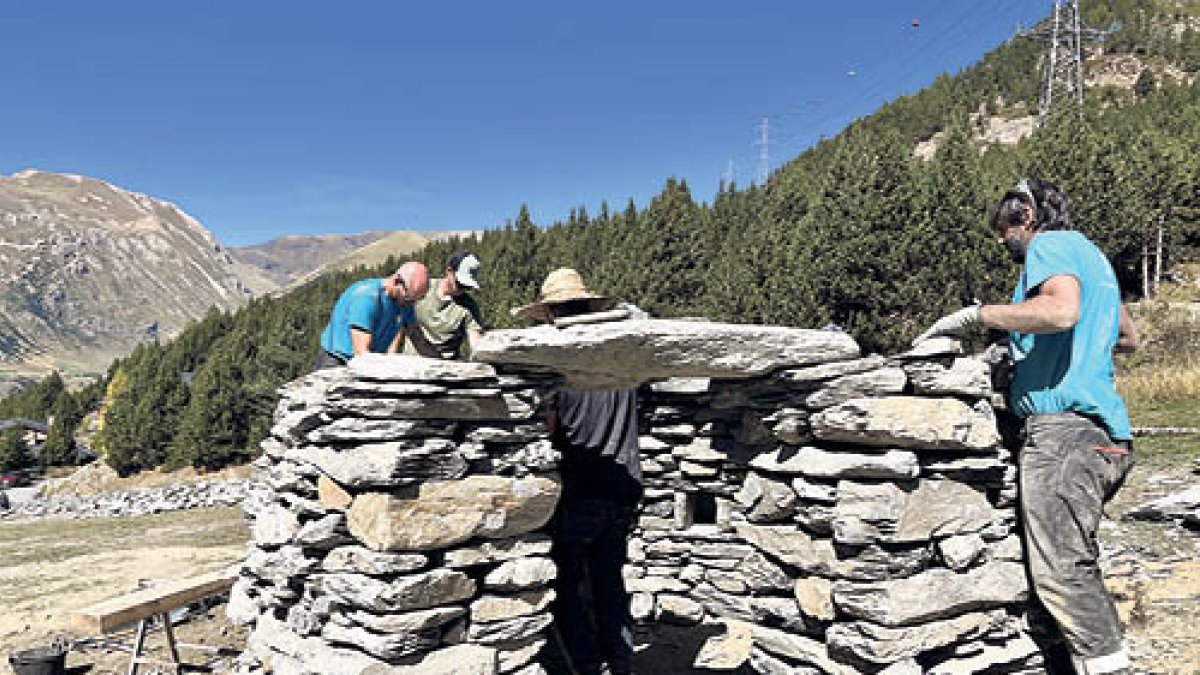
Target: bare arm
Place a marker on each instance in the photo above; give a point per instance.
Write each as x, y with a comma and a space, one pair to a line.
1128, 338
360, 341
1054, 309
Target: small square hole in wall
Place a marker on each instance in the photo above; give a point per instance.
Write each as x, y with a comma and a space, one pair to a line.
695, 508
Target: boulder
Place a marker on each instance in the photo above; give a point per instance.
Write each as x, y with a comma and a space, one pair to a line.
445, 513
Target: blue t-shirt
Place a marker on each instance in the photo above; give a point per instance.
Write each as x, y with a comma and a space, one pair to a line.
1072, 370
364, 305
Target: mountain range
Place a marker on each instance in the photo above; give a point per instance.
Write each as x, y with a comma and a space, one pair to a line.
90, 270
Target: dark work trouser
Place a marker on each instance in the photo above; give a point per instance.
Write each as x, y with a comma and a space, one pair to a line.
590, 542
1069, 469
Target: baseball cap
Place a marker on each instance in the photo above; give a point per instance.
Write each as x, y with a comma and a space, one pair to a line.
466, 269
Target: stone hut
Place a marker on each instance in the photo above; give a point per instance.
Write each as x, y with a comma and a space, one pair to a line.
807, 509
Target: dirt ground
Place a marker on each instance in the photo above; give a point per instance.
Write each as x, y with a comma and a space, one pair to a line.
50, 568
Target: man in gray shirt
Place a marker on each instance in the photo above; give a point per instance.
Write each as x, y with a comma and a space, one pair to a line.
596, 432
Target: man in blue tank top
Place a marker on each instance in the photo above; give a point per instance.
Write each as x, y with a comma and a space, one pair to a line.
1064, 323
371, 314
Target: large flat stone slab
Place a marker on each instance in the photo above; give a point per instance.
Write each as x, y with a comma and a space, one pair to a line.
907, 422
883, 645
400, 368
932, 595
385, 464
627, 353
445, 513
911, 512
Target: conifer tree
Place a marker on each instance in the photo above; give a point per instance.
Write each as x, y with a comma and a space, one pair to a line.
14, 451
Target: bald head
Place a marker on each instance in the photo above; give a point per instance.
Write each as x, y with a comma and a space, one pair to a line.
408, 284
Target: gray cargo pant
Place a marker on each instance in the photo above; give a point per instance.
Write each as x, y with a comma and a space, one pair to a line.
1069, 468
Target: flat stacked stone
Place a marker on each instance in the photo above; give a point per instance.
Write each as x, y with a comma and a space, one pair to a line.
395, 519
834, 513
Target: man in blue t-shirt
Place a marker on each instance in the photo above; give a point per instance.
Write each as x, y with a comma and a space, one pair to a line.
371, 314
1064, 322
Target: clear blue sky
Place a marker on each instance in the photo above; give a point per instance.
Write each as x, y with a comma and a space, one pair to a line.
265, 118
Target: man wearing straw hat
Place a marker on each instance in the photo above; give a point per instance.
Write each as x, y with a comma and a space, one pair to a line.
596, 432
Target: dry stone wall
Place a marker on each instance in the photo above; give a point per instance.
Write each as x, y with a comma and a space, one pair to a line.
828, 512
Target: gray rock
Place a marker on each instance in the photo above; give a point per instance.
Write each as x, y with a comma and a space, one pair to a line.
792, 546
961, 551
875, 563
910, 512
363, 560
358, 430
521, 574
399, 368
766, 500
814, 597
812, 375
462, 659
509, 630
1172, 507
818, 463
487, 552
765, 663
656, 349
386, 464
324, 533
280, 565
418, 621
726, 651
274, 526
272, 639
798, 648
490, 608
969, 377
679, 610
908, 422
870, 383
519, 654
447, 513
810, 490
907, 601
405, 593
494, 407
882, 645
763, 576
1019, 651
692, 386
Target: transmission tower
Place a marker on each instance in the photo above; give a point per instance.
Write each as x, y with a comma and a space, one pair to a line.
764, 162
1062, 74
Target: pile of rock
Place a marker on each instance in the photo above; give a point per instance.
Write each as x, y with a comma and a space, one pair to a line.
395, 521
841, 517
1183, 508
835, 514
202, 494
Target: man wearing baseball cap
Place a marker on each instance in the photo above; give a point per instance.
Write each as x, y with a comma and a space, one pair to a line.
449, 321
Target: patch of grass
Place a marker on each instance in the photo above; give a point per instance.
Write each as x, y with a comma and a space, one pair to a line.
1157, 452
53, 540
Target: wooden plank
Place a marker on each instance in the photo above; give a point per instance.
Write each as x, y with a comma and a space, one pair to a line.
107, 616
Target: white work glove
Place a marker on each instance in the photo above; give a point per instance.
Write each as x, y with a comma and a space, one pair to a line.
951, 324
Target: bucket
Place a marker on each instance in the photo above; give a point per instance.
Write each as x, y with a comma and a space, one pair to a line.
39, 661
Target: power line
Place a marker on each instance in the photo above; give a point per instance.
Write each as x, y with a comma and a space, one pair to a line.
1062, 77
764, 156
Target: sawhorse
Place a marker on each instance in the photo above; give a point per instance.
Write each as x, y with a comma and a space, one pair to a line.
144, 605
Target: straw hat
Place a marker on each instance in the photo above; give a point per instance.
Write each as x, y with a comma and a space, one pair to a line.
563, 285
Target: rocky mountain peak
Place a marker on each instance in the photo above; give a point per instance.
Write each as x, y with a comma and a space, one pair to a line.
89, 269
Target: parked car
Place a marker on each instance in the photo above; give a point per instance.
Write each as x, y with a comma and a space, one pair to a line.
12, 479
